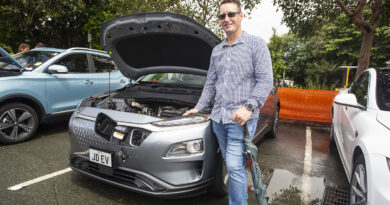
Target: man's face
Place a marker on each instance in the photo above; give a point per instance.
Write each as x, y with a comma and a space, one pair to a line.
230, 24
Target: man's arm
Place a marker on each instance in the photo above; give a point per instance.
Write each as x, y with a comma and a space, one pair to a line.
263, 75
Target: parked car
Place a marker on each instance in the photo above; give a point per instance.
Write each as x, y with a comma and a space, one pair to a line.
136, 138
361, 132
42, 83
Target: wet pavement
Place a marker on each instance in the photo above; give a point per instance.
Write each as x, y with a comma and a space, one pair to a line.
303, 174
299, 165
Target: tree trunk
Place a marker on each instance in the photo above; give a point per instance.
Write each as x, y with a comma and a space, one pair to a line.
365, 51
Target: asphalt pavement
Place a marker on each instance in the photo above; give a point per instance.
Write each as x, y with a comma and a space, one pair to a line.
299, 165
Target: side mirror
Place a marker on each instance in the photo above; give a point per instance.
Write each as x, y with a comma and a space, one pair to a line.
58, 69
348, 100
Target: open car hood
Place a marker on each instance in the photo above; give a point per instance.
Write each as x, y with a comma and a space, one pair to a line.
147, 43
7, 58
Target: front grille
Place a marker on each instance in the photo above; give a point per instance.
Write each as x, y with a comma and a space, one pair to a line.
123, 177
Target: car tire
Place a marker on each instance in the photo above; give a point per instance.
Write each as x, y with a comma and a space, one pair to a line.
221, 183
18, 123
358, 187
275, 124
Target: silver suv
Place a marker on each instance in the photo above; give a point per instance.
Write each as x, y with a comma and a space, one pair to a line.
135, 137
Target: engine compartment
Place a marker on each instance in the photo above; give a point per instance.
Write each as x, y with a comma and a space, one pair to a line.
143, 106
153, 101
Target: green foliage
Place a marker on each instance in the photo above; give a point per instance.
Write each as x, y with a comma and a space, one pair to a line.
275, 47
66, 23
312, 62
304, 17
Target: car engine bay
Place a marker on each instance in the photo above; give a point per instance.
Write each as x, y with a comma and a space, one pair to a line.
156, 101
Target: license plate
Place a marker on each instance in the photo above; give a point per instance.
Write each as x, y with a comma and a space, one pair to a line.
100, 157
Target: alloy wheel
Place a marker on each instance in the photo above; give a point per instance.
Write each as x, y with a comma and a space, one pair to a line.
358, 189
16, 123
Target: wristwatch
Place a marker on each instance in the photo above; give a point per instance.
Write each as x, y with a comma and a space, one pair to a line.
249, 107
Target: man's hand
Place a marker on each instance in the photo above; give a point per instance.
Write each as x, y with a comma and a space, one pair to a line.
241, 115
190, 112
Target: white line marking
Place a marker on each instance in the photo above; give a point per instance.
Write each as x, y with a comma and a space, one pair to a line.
306, 180
39, 179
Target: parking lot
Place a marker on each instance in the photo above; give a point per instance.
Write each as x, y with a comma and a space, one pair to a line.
300, 167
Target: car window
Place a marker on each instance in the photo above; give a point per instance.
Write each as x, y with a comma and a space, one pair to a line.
175, 78
32, 59
102, 64
383, 90
360, 88
76, 63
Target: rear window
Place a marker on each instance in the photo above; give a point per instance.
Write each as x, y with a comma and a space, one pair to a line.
383, 90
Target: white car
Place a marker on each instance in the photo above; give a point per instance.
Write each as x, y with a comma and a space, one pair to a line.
361, 131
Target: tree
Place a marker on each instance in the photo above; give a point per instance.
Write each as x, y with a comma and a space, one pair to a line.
275, 47
57, 23
311, 61
67, 23
305, 16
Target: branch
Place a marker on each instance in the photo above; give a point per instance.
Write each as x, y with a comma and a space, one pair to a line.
376, 10
359, 8
357, 16
344, 8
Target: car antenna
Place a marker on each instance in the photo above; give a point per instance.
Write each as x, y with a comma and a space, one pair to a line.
110, 104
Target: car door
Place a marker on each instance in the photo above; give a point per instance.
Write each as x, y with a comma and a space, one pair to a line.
351, 117
104, 74
66, 90
267, 113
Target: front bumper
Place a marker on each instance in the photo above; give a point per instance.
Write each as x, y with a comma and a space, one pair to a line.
145, 169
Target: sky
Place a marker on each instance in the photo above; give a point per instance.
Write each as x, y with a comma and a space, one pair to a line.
263, 18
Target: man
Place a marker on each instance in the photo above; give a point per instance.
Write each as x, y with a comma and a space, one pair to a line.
239, 80
40, 45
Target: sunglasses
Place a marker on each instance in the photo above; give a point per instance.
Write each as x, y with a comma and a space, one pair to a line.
230, 14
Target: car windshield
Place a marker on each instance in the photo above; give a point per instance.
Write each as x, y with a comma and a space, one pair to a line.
32, 59
383, 90
174, 78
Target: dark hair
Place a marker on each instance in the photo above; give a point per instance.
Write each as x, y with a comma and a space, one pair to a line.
40, 44
237, 2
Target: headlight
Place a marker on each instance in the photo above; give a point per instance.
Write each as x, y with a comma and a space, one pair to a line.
186, 148
196, 119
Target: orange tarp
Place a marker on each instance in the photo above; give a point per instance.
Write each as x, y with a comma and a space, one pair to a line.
307, 105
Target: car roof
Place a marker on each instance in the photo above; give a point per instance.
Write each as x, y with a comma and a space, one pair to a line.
49, 49
60, 50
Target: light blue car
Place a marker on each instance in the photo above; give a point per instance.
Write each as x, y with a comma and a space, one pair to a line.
42, 83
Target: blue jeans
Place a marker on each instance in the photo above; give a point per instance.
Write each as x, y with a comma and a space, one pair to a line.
231, 143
